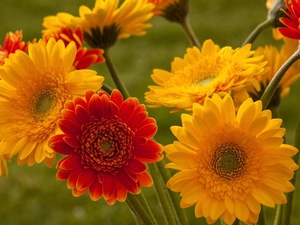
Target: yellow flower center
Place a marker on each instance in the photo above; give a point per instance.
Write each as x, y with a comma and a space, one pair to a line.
205, 74
229, 161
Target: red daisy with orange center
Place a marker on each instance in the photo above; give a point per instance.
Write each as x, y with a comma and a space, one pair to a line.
107, 140
292, 21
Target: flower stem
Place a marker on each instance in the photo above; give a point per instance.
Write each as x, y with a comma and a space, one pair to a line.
271, 88
174, 196
190, 33
166, 205
116, 78
258, 29
139, 211
261, 218
288, 207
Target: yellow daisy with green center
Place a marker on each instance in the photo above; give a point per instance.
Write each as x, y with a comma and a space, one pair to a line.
33, 91
200, 74
230, 163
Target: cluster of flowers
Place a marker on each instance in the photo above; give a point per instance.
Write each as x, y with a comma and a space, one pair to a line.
230, 154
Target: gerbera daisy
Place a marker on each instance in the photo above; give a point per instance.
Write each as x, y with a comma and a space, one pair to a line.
275, 60
107, 141
230, 164
12, 42
172, 10
292, 20
107, 22
200, 74
33, 91
61, 27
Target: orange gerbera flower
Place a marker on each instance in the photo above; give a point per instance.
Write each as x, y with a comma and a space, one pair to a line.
12, 43
107, 141
172, 10
292, 20
60, 27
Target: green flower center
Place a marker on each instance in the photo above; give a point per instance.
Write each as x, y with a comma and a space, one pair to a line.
42, 103
229, 161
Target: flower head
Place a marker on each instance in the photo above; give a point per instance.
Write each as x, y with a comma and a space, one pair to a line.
172, 10
230, 164
200, 74
107, 141
12, 43
61, 27
33, 91
292, 20
275, 60
107, 22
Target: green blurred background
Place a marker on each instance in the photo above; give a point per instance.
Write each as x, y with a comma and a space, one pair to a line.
32, 195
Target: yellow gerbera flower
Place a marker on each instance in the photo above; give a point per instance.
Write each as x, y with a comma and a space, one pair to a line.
107, 22
33, 91
229, 164
200, 74
275, 59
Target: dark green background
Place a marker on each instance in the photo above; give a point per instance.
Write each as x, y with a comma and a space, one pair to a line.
32, 195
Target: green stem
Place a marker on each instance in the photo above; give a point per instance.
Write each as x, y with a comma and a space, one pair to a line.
258, 29
278, 215
190, 33
116, 78
138, 210
174, 196
288, 208
271, 88
106, 88
167, 208
261, 218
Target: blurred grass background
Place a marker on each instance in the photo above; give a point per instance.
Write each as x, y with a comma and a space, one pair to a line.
32, 195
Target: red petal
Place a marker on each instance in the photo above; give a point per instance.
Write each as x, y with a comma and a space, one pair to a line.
95, 106
62, 175
113, 198
127, 109
127, 182
72, 141
82, 114
58, 144
136, 166
72, 180
149, 152
69, 115
287, 32
69, 163
121, 193
147, 131
80, 101
137, 119
88, 95
95, 190
69, 127
86, 178
117, 97
108, 185
145, 179
77, 193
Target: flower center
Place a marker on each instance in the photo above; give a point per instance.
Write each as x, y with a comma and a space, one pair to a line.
229, 161
42, 103
106, 144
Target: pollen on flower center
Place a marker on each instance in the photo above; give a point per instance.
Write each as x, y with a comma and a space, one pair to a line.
106, 144
229, 161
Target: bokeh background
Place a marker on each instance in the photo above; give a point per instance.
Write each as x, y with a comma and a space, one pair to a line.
32, 195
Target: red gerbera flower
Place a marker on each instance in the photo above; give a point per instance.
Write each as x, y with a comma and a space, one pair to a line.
12, 43
107, 141
84, 57
292, 21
